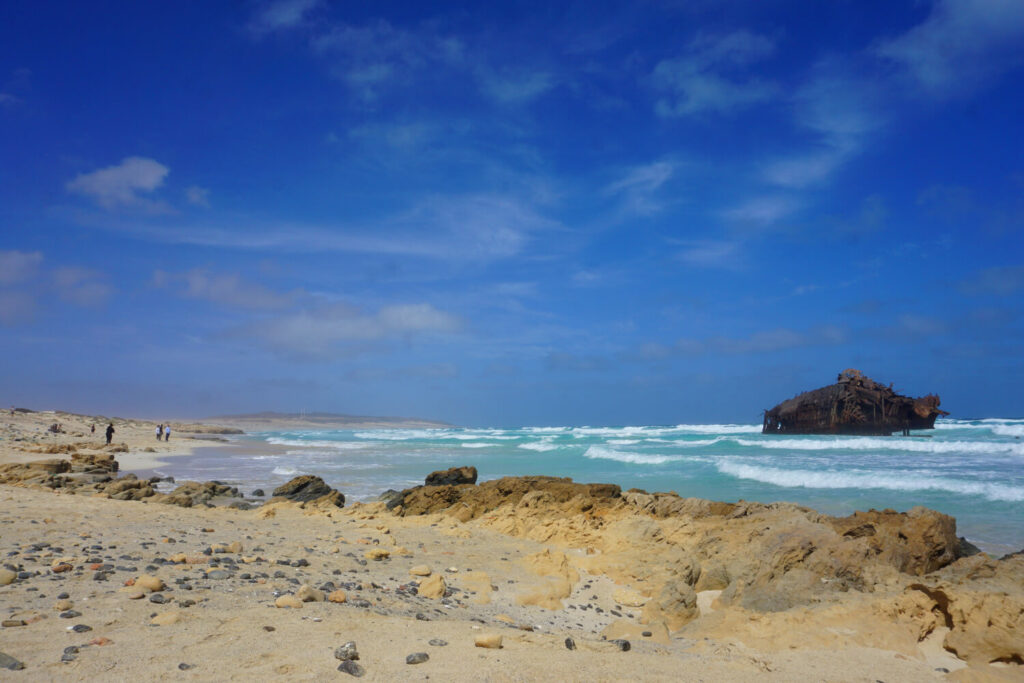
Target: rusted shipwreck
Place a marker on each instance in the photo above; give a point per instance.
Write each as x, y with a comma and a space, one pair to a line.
855, 404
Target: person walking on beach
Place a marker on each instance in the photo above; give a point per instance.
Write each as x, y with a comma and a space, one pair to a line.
159, 431
167, 432
110, 432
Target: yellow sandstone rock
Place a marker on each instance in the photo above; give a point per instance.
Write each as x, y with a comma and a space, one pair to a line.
433, 587
489, 640
150, 583
420, 570
288, 601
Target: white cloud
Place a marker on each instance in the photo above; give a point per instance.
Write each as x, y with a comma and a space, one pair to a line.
9, 100
639, 185
280, 15
18, 266
225, 289
710, 254
81, 286
368, 58
197, 196
15, 307
325, 331
762, 211
516, 88
123, 184
961, 45
709, 76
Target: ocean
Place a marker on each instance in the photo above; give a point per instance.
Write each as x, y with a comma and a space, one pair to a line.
970, 469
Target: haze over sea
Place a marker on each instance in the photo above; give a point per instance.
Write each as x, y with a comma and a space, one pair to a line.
970, 469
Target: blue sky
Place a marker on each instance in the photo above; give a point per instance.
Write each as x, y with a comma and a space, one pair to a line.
509, 213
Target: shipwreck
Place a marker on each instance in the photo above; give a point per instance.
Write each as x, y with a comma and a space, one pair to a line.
855, 404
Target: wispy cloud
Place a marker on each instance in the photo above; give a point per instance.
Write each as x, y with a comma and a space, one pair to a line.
227, 289
81, 286
710, 253
762, 212
18, 266
997, 280
639, 185
711, 75
281, 15
197, 196
333, 330
122, 185
515, 87
962, 45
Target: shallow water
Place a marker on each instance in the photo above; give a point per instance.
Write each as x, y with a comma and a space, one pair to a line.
971, 469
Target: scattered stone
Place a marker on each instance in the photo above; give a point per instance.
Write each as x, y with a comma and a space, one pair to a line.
570, 644
150, 583
437, 642
622, 644
100, 641
81, 628
307, 593
346, 652
63, 604
257, 493
488, 640
417, 658
352, 668
420, 570
62, 567
288, 601
9, 623
185, 667
135, 593
337, 596
629, 598
69, 614
269, 629
158, 598
377, 554
166, 619
218, 574
432, 587
10, 663
7, 577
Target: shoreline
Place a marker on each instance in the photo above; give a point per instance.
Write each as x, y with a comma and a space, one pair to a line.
743, 590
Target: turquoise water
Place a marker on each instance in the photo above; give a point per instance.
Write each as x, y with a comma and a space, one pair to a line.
971, 469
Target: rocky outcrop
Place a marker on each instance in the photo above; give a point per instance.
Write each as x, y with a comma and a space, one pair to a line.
452, 477
308, 490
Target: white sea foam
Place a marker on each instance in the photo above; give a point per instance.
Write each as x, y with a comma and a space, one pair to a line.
339, 445
623, 442
1008, 430
859, 443
542, 446
402, 434
475, 444
720, 429
602, 453
284, 471
859, 479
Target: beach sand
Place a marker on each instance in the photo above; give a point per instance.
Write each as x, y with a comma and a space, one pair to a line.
225, 569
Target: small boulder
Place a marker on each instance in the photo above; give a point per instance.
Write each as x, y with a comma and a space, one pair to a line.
432, 587
307, 593
150, 583
488, 640
288, 601
452, 477
337, 596
420, 570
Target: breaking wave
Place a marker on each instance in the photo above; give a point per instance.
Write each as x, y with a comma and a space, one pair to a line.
869, 480
891, 444
601, 453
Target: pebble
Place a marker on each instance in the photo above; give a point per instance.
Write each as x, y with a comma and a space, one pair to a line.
8, 623
63, 604
81, 628
288, 601
150, 583
488, 640
570, 644
420, 570
622, 644
352, 668
437, 642
166, 619
269, 629
417, 658
9, 662
219, 574
7, 577
346, 652
185, 667
69, 614
336, 596
158, 598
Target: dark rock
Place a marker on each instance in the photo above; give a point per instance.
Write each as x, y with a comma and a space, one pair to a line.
63, 596
258, 493
452, 477
81, 628
70, 614
622, 644
420, 616
346, 652
352, 668
417, 658
303, 488
185, 667
437, 642
158, 598
11, 623
269, 629
9, 662
219, 574
570, 644
966, 548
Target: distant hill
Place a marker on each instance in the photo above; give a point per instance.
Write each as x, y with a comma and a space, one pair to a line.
272, 420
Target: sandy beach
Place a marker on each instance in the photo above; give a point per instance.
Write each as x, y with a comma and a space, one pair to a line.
575, 582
